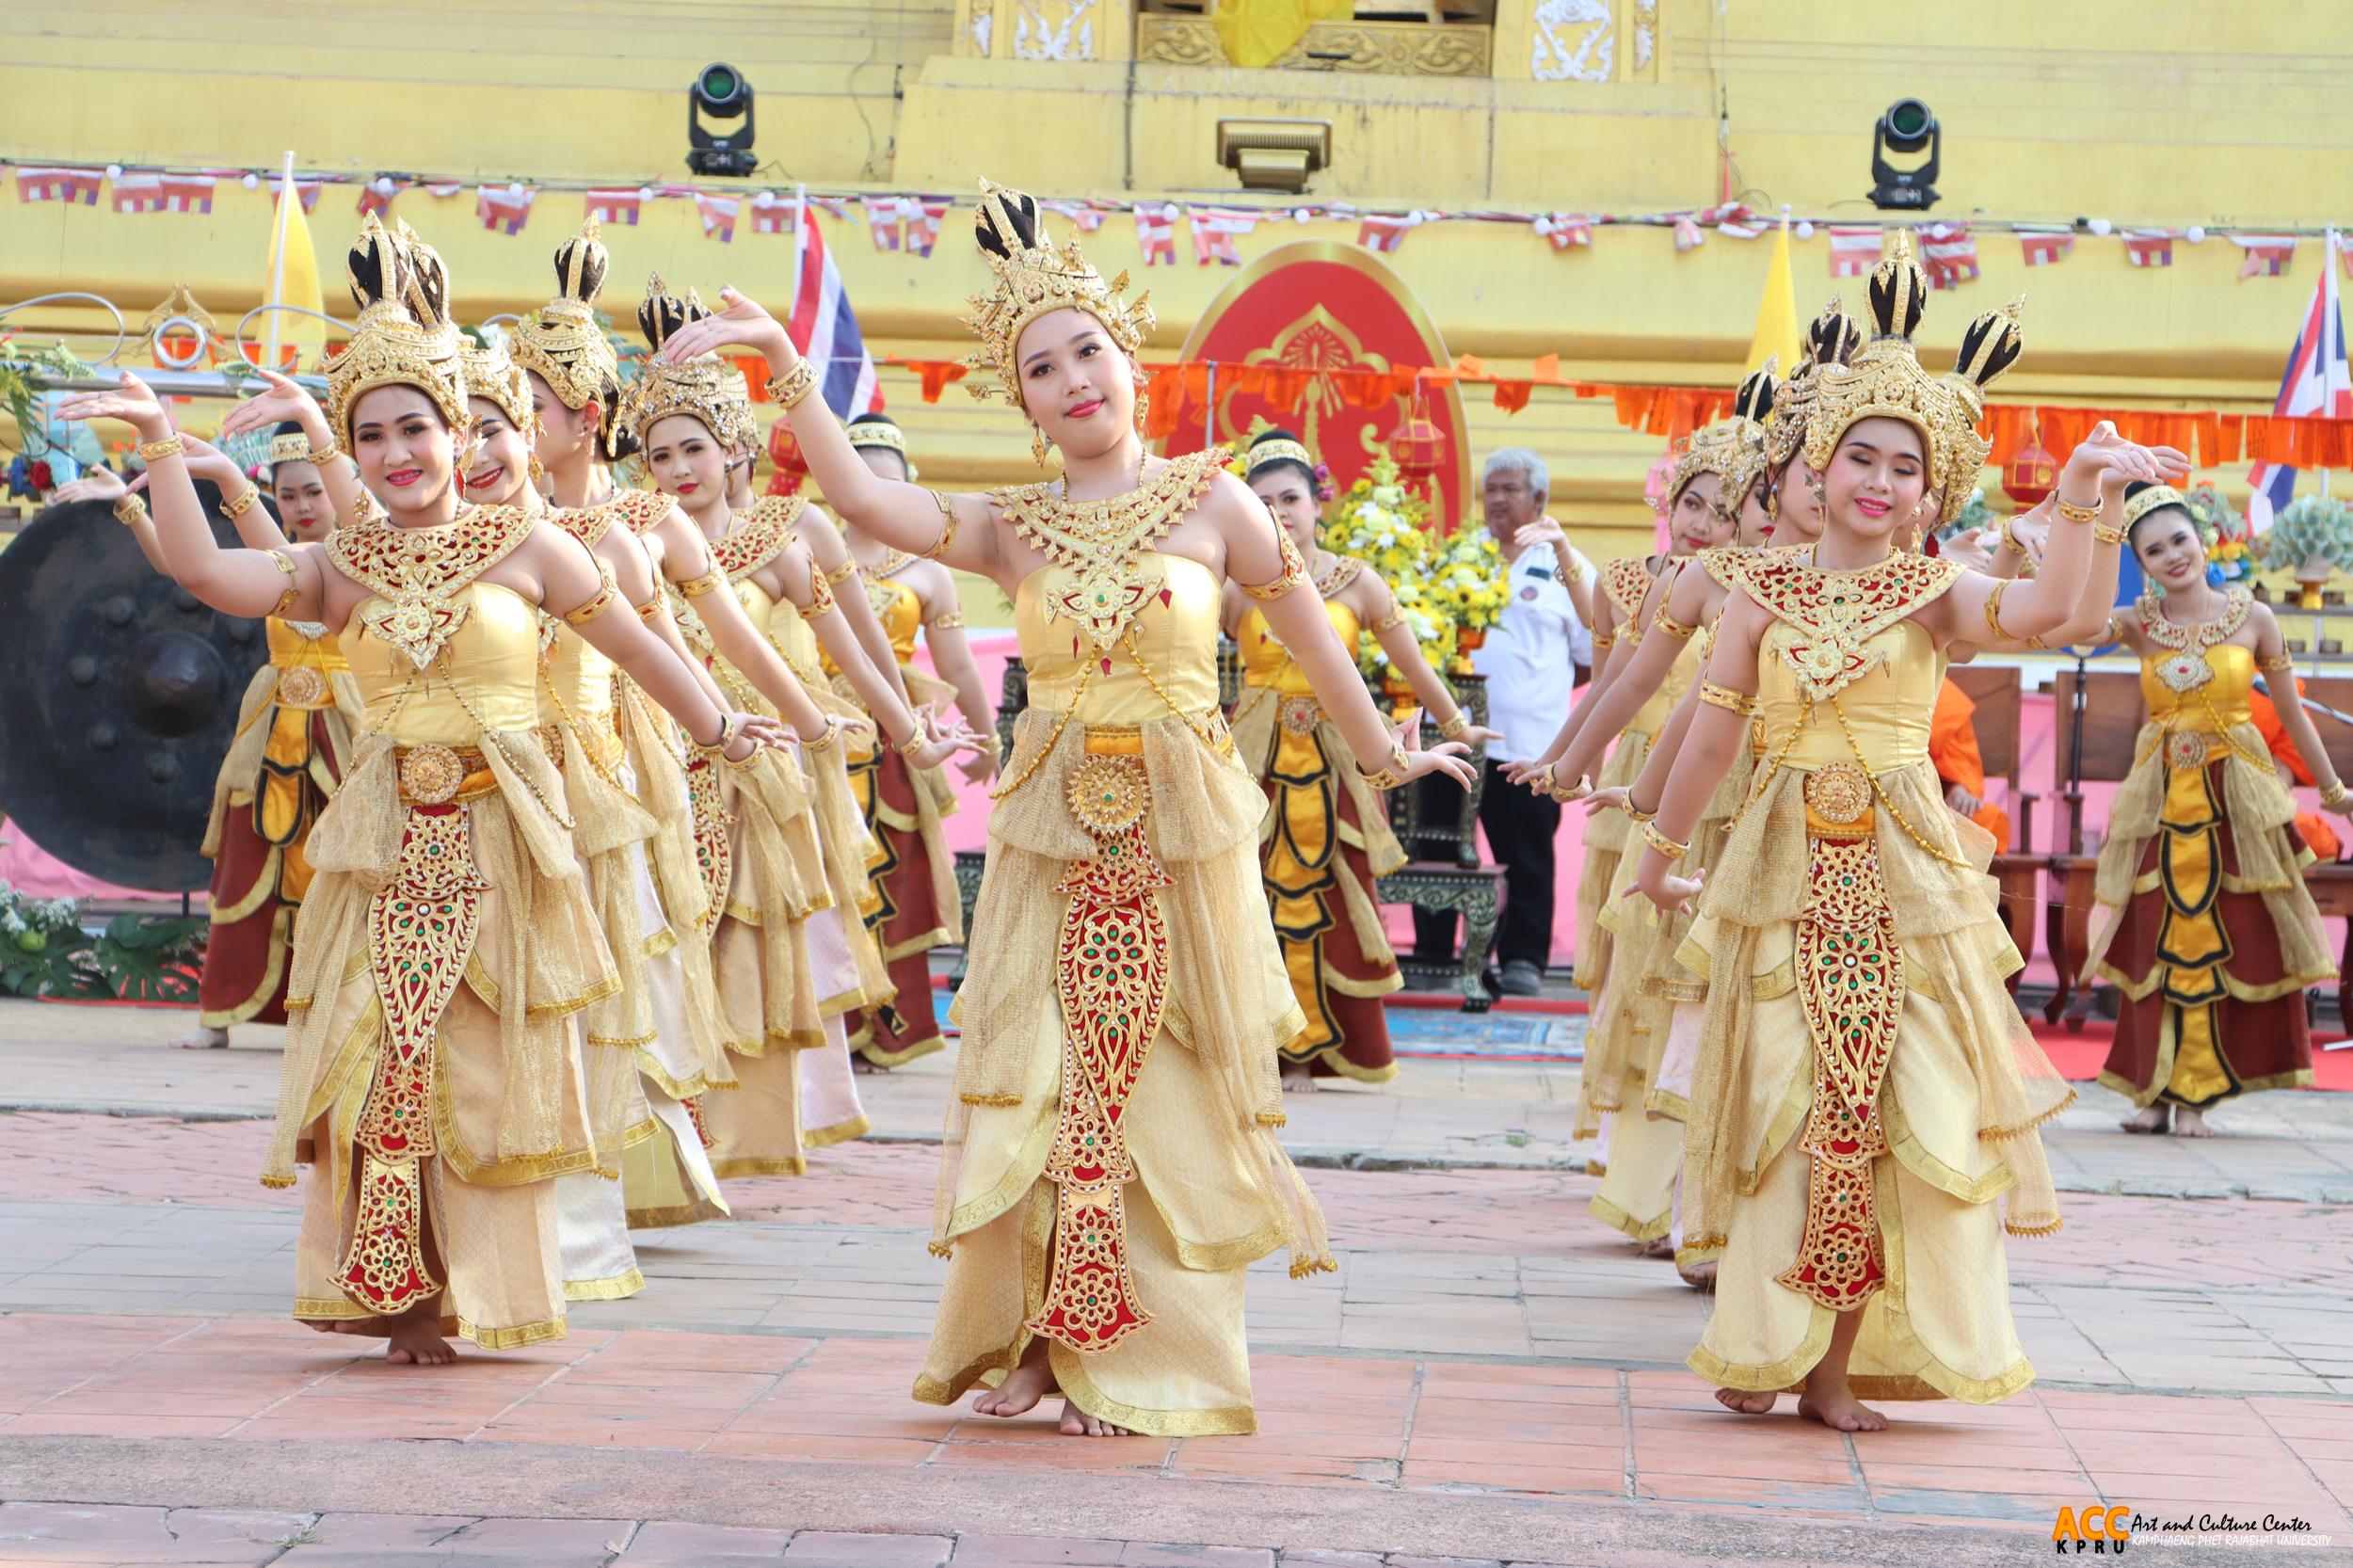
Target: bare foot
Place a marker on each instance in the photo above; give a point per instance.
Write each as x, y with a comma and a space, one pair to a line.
202, 1039
2191, 1123
1022, 1388
1740, 1402
859, 1065
1700, 1277
2152, 1119
1298, 1078
1840, 1411
1658, 1246
371, 1327
416, 1340
1077, 1423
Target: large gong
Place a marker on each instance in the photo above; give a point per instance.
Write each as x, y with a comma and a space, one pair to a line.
119, 694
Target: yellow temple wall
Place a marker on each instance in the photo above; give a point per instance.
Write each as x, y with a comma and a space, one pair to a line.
2164, 116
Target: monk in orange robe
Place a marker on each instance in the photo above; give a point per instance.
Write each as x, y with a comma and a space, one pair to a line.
1960, 766
2313, 826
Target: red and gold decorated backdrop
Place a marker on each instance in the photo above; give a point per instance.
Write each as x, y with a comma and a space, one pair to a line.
1320, 306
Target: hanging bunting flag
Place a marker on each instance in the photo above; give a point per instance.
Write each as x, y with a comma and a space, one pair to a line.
1214, 232
2268, 255
1853, 250
772, 213
377, 193
615, 207
1734, 221
1688, 235
1564, 229
2043, 246
1384, 232
2149, 247
832, 206
883, 221
138, 193
57, 184
1948, 254
444, 189
188, 193
503, 209
923, 214
1084, 215
307, 192
719, 216
1156, 234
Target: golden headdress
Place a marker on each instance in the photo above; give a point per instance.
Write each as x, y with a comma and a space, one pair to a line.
1886, 382
1832, 338
564, 345
289, 446
1033, 279
880, 433
404, 336
706, 386
1732, 448
2141, 499
492, 373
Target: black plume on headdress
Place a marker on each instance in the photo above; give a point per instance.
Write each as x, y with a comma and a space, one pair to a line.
1990, 345
425, 288
1833, 337
1018, 229
377, 267
660, 313
1900, 293
1755, 400
580, 263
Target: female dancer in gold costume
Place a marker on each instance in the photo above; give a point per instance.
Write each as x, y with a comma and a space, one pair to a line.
292, 743
688, 417
2204, 921
1864, 1117
1111, 1164
1326, 836
431, 1067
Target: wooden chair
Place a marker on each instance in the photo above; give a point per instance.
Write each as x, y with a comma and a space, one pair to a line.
1996, 691
2112, 717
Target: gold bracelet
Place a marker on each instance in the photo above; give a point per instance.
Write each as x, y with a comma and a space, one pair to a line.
2069, 512
242, 503
947, 526
728, 725
1726, 698
1390, 776
1455, 726
833, 733
1636, 812
2027, 565
2332, 798
319, 456
916, 740
129, 509
171, 446
1576, 789
1671, 626
791, 390
1603, 641
2106, 535
1656, 838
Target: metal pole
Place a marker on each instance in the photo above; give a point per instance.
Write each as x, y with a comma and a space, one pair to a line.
1209, 415
278, 260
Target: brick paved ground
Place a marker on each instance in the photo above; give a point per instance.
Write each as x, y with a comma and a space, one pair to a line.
1490, 1378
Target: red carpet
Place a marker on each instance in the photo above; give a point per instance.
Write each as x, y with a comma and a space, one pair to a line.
2078, 1056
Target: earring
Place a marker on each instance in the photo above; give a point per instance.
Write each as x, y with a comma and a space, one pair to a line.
538, 468
1821, 496
1039, 445
1144, 401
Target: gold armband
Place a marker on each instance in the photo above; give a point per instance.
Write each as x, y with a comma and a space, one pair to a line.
952, 621
1455, 726
947, 526
1656, 838
129, 509
171, 446
708, 582
650, 611
2069, 512
1293, 570
1993, 617
1388, 623
1726, 698
792, 387
284, 562
606, 594
1672, 627
2279, 665
842, 573
242, 503
1390, 776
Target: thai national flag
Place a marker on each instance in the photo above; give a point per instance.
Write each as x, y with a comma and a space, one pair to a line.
2317, 382
825, 329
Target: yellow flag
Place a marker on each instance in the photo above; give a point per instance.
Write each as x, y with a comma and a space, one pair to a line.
292, 279
1259, 32
1777, 313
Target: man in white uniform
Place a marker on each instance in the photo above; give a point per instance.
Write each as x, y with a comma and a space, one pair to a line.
1533, 660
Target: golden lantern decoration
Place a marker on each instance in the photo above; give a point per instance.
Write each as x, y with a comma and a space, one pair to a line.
2031, 473
1419, 448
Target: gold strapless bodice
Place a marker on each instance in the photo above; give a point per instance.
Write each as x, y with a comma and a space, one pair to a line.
289, 647
2220, 704
1175, 635
1652, 716
578, 684
900, 611
1889, 710
1266, 663
490, 665
795, 638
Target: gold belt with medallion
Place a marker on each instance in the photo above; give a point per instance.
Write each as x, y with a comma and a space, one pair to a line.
437, 775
